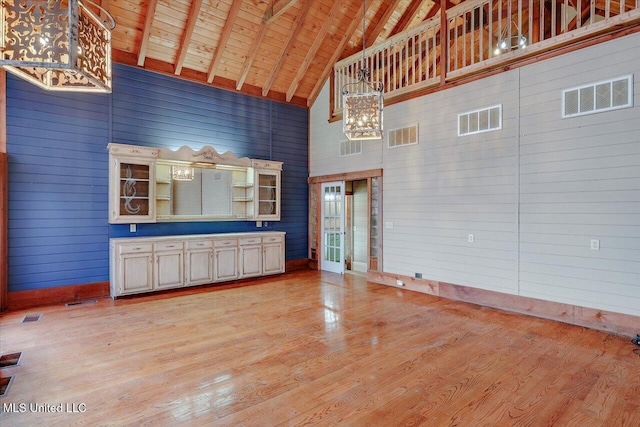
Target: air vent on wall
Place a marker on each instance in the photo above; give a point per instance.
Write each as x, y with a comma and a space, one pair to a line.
350, 147
403, 136
597, 97
477, 121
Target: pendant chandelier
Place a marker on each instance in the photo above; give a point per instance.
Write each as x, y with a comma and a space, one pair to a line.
362, 101
182, 173
57, 45
508, 41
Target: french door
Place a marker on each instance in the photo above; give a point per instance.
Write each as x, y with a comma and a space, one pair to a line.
333, 227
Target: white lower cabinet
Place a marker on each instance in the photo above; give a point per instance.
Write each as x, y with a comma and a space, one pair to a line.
226, 259
145, 264
251, 257
272, 255
133, 269
169, 265
199, 263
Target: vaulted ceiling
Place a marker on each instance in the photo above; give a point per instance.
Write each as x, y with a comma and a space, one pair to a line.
278, 49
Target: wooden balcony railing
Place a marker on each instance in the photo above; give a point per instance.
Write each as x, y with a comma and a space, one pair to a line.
413, 60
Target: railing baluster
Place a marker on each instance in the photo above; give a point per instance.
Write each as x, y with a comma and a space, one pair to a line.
467, 37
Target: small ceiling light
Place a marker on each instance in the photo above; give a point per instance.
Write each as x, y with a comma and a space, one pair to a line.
362, 102
508, 41
57, 44
182, 173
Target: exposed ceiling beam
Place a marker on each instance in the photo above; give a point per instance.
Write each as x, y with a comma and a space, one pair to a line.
251, 56
186, 36
407, 17
311, 53
293, 34
346, 36
224, 38
375, 32
148, 22
276, 9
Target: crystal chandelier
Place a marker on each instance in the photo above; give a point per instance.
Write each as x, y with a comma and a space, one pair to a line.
58, 45
182, 173
362, 101
508, 42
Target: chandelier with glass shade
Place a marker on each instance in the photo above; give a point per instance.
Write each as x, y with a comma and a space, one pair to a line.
362, 101
57, 45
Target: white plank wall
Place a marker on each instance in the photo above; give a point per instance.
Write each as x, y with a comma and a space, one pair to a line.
533, 194
580, 180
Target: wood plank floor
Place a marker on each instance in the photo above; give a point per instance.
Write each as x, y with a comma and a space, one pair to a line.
312, 348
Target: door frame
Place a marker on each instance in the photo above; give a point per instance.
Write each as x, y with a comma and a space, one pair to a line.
315, 214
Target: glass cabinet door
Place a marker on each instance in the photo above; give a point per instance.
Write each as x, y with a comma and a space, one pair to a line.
135, 200
268, 201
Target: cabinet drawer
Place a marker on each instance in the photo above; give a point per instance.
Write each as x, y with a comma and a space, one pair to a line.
225, 243
199, 244
135, 248
168, 246
272, 239
250, 241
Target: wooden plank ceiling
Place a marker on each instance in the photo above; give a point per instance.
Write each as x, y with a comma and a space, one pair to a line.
278, 49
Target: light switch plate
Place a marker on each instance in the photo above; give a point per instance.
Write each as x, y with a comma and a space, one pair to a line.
388, 224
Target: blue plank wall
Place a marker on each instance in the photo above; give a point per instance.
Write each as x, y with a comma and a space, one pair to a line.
58, 166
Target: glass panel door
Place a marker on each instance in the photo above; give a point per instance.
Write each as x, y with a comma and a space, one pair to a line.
333, 227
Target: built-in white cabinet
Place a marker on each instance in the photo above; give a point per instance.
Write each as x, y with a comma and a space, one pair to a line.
146, 264
169, 265
251, 256
226, 259
131, 268
267, 187
272, 254
132, 184
199, 265
161, 185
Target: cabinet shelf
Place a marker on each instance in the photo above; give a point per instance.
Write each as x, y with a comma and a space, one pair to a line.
242, 185
243, 199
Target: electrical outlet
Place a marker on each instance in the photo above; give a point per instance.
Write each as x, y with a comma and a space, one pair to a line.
595, 244
132, 228
399, 282
470, 238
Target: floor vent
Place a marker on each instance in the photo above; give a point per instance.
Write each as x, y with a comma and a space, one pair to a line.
10, 359
85, 302
5, 383
31, 318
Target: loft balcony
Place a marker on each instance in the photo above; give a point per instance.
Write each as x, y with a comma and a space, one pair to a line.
480, 36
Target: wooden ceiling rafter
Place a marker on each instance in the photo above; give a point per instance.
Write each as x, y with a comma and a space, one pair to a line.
224, 38
407, 17
379, 27
346, 36
148, 23
276, 9
188, 33
286, 48
311, 53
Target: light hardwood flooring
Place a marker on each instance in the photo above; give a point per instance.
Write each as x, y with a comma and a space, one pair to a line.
312, 348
